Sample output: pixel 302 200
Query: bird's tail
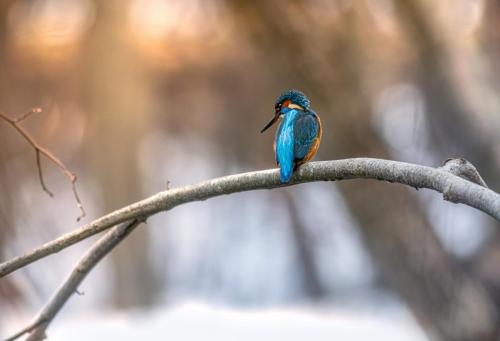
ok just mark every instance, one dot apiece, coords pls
pixel 286 172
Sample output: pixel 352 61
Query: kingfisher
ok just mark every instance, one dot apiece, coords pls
pixel 299 132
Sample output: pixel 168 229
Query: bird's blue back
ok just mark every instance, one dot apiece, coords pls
pixel 294 139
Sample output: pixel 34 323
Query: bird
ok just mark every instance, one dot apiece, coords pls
pixel 299 132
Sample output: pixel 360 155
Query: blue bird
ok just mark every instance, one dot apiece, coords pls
pixel 298 135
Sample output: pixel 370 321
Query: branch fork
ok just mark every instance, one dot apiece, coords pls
pixel 39 150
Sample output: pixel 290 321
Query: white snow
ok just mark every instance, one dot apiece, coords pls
pixel 191 321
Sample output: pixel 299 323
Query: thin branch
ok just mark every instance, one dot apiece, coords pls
pixel 453 188
pixel 69 287
pixel 14 122
pixel 27 114
pixel 40 174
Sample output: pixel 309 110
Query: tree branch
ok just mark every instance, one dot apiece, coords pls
pixel 101 248
pixel 453 188
pixel 14 122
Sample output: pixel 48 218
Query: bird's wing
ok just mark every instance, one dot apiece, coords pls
pixel 306 131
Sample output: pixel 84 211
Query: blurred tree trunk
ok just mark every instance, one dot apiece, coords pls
pixel 490 39
pixel 453 130
pixel 485 261
pixel 4 6
pixel 117 104
pixel 9 292
pixel 5 207
pixel 312 285
pixel 448 304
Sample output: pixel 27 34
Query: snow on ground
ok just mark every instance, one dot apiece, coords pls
pixel 192 321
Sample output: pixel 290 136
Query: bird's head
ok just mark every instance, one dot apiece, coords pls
pixel 293 99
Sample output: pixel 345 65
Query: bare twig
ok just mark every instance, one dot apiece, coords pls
pixel 40 174
pixel 14 122
pixel 27 114
pixel 453 188
pixel 102 247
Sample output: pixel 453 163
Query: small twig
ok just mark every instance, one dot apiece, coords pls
pixel 40 174
pixel 96 252
pixel 453 188
pixel 27 114
pixel 14 122
pixel 77 198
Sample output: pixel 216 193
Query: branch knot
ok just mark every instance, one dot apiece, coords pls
pixel 464 169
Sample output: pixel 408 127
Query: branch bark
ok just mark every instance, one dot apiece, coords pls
pixel 100 249
pixel 453 188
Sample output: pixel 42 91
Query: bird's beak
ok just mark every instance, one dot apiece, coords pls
pixel 275 118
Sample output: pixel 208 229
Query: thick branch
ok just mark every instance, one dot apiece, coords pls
pixel 453 188
pixel 102 247
pixel 39 150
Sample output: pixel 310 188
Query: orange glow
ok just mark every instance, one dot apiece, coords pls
pixel 48 30
pixel 171 33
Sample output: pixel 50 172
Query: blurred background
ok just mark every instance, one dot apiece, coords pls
pixel 140 93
